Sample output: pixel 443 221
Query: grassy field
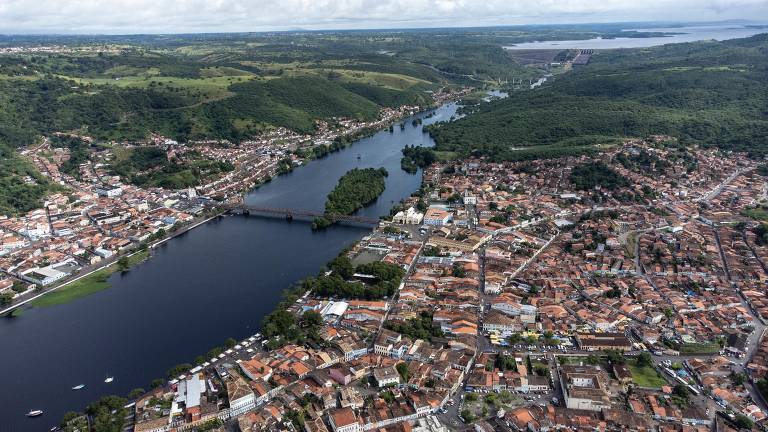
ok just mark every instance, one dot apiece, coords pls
pixel 88 285
pixel 645 376
pixel 209 84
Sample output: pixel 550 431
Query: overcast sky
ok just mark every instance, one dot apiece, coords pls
pixel 177 16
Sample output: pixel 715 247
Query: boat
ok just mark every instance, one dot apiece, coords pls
pixel 34 413
pixel 109 380
pixel 78 387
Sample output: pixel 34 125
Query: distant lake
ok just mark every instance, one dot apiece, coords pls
pixel 686 34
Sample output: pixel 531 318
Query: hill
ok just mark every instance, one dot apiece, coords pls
pixel 706 93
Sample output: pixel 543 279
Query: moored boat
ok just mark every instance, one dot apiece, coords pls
pixel 34 413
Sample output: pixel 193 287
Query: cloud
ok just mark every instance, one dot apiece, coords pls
pixel 174 16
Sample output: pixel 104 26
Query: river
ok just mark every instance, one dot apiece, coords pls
pixel 214 282
pixel 683 34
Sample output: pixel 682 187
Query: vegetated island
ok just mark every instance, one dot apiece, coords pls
pixel 356 189
pixel 416 157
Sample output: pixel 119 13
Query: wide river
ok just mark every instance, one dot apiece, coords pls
pixel 684 34
pixel 214 282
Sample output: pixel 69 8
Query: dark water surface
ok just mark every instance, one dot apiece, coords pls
pixel 214 282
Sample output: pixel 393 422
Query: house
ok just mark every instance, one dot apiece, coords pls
pixel 496 321
pixel 256 370
pixel 585 387
pixel 344 420
pixel 241 397
pixel 386 376
pixel 437 217
pixel 351 398
pixel 622 373
pixel 603 341
pixel 342 374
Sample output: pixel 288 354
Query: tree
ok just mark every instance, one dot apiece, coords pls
pixel 388 396
pixel 6 299
pixel 467 415
pixel 177 370
pixel 312 319
pixel 681 391
pixel 743 422
pixel 458 270
pixel 123 264
pixel 230 343
pixel 514 338
pixel 615 357
pixel 402 369
pixel 738 379
pixel 108 414
pixel 644 359
pixel 342 266
pixel 136 393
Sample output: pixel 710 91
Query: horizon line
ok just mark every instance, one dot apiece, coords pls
pixel 390 29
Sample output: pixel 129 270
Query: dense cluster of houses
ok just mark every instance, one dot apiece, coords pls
pixel 540 300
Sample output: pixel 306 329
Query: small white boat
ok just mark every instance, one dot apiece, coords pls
pixel 109 380
pixel 34 413
pixel 78 387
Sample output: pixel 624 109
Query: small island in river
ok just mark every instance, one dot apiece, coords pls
pixel 356 189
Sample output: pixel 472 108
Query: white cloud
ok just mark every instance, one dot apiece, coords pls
pixel 174 16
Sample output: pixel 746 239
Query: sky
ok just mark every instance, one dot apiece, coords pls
pixel 192 16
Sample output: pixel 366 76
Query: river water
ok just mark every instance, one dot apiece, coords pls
pixel 214 282
pixel 684 34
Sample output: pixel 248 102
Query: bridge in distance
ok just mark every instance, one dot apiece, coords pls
pixel 291 213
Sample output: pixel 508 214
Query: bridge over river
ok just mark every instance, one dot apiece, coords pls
pixel 299 213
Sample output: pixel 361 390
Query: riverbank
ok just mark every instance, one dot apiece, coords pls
pixel 88 284
pixel 216 281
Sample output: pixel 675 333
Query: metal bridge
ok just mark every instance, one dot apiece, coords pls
pixel 291 213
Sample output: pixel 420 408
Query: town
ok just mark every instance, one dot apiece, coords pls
pixel 620 291
pixel 100 217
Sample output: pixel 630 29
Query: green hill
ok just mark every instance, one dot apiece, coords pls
pixel 707 93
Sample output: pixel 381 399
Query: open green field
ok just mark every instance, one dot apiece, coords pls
pixel 645 376
pixel 210 88
pixel 88 285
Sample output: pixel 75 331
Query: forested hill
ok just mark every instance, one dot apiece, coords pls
pixel 709 93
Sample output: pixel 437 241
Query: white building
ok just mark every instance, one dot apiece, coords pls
pixel 386 376
pixel 408 217
pixel 43 275
pixel 469 198
pixel 437 217
pixel 334 309
pixel 109 191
